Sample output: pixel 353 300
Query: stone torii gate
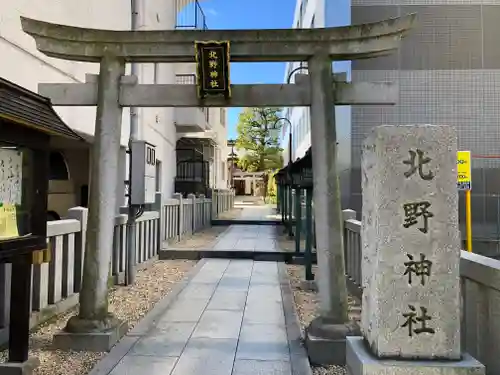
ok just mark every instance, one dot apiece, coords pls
pixel 112 90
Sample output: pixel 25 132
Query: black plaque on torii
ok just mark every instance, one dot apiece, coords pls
pixel 212 69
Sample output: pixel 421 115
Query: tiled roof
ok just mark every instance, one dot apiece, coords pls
pixel 29 109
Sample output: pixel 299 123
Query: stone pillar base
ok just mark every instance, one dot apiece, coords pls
pixel 360 361
pixel 326 342
pixel 95 341
pixel 19 368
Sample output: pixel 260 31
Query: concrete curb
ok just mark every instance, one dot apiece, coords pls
pixel 216 222
pixel 108 363
pixel 270 256
pixel 298 355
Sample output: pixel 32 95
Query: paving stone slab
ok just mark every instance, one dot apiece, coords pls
pixel 234 283
pixel 228 300
pixel 186 310
pixel 168 341
pixel 133 365
pixel 264 293
pixel 241 268
pixel 263 342
pixel 270 312
pixel 197 291
pixel 207 357
pixel 246 244
pixel 256 367
pixel 219 324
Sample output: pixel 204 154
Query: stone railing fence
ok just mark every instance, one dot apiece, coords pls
pixel 480 283
pixel 56 284
pixel 223 200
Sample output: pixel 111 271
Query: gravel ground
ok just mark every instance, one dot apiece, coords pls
pixel 307 305
pixel 129 303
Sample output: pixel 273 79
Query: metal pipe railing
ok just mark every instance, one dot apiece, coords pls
pixel 190 15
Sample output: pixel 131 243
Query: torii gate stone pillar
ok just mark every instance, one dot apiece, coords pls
pixel 94 328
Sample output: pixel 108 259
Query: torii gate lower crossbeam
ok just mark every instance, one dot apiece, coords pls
pixel 270 95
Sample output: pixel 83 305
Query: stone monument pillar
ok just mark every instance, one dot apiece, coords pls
pixel 411 253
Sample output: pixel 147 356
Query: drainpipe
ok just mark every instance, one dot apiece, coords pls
pixel 133 210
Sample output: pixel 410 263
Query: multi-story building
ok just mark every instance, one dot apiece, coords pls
pixel 312 14
pixel 447 70
pixel 22 64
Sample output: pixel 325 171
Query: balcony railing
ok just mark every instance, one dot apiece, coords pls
pixel 192 177
pixel 190 15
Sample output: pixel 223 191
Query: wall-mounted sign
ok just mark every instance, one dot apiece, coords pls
pixel 464 175
pixel 212 68
pixel 11 166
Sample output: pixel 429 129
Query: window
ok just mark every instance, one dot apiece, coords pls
pixel 57 167
pixel 185 79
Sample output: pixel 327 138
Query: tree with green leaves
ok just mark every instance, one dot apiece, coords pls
pixel 258 130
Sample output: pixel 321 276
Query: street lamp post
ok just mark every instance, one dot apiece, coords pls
pixel 290 197
pixel 232 143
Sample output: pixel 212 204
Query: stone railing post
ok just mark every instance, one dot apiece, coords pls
pixel 215 200
pixel 180 215
pixel 192 197
pixel 202 211
pixel 347 215
pixel 160 230
pixel 80 214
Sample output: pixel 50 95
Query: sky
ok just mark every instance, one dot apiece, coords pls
pixel 250 14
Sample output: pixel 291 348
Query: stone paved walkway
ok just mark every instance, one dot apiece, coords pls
pixel 248 238
pixel 258 212
pixel 233 317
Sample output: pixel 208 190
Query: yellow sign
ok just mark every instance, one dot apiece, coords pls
pixel 464 173
pixel 8 222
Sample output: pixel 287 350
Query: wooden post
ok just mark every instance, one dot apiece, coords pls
pixel 20 309
pixel 298 218
pixel 309 234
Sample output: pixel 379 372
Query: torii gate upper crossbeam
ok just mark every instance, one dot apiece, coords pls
pixel 341 43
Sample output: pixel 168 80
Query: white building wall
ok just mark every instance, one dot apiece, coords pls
pixel 217 119
pixel 156 125
pixel 308 14
pixel 22 64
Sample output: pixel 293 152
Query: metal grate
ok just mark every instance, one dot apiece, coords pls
pixel 185 79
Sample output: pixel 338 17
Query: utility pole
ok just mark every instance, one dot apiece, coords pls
pixel 133 210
